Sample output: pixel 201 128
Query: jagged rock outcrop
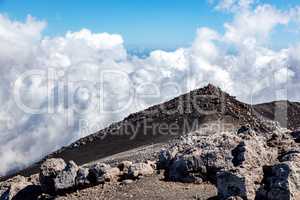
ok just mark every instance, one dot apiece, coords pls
pixel 222 151
pixel 243 179
pixel 234 161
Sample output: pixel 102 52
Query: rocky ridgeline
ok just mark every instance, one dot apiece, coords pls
pixel 209 101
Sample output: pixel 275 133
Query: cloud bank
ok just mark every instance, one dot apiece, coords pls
pixel 55 90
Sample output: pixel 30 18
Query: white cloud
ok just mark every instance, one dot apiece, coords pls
pixel 239 61
pixel 18 38
pixel 255 25
pixel 234 5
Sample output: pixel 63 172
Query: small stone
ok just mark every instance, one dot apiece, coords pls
pixel 127 181
pixel 234 198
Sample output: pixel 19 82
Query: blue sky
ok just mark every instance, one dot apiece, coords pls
pixel 143 24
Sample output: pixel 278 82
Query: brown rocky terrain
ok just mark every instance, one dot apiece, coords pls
pixel 285 112
pixel 188 112
pixel 211 147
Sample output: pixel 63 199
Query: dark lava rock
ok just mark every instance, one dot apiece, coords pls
pixel 56 175
pixel 81 179
pixel 49 170
pixel 96 173
pixel 65 180
pixel 282 180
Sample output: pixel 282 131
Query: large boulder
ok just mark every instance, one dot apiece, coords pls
pixel 164 158
pixel 232 160
pixel 140 169
pixel 49 171
pixel 112 174
pixel 240 183
pixel 178 169
pixel 10 188
pixel 124 166
pixel 81 179
pixel 182 167
pixel 249 157
pixel 253 153
pixel 282 181
pixel 202 159
pixel 96 173
pixel 56 175
pixel 66 178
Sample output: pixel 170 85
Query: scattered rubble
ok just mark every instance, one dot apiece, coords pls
pixel 57 177
pixel 243 165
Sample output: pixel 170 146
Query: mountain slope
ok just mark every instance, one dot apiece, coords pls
pixel 285 112
pixel 208 105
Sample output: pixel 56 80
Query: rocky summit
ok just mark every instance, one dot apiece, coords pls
pixel 212 147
